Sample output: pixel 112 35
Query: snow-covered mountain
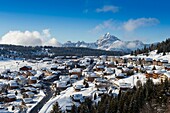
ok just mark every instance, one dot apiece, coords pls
pixel 80 44
pixel 108 42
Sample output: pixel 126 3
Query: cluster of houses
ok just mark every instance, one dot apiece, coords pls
pixel 108 74
pixel 79 75
pixel 19 89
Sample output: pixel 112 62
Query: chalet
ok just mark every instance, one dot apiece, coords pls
pixel 130 66
pixel 61 68
pixel 37 85
pixel 69 107
pixel 149 73
pixel 32 80
pixel 25 68
pixel 32 89
pixel 167 67
pixel 99 82
pixel 120 75
pixel 46 59
pixel 76 71
pixel 164 62
pixel 100 68
pixel 13 84
pixel 21 80
pixel 156 74
pixel 29 94
pixel 108 71
pixel 125 86
pixel 101 91
pixel 103 57
pixel 65 78
pixel 39 75
pixel 61 85
pixel 54 68
pixel 28 100
pixel 113 90
pixel 90 76
pixel 148 61
pixel 111 65
pixel 167 75
pixel 10 97
pixel 77 97
pixel 5 76
pixel 125 70
pixel 73 78
pixel 78 87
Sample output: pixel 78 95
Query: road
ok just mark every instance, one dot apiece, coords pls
pixel 49 94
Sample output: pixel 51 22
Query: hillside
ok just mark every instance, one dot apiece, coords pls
pixel 44 51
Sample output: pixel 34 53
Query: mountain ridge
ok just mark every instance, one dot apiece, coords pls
pixel 108 42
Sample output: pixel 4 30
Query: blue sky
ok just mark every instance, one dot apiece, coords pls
pixel 87 20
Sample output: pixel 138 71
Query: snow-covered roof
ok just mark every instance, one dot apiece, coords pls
pixel 38 74
pixel 125 69
pixel 75 70
pixel 11 96
pixel 13 83
pixel 61 84
pixel 29 93
pixel 100 66
pixel 64 78
pixel 157 71
pixel 74 76
pixel 121 75
pixel 32 78
pixel 78 86
pixel 149 71
pixel 91 75
pixel 61 67
pixel 148 59
pixel 167 74
pixel 30 88
pixel 28 100
pixel 77 96
pixel 164 61
pixel 125 85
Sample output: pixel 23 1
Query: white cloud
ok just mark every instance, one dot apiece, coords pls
pixel 128 25
pixel 108 8
pixel 133 24
pixel 53 42
pixel 29 38
pixel 106 25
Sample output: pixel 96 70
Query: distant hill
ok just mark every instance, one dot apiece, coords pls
pixel 44 51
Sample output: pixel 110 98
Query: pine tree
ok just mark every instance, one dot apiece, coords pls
pixel 154 68
pixel 95 96
pixel 56 108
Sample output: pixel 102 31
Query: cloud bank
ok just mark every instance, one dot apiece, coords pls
pixel 129 25
pixel 133 24
pixel 29 38
pixel 108 8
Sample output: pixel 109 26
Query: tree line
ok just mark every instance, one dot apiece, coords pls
pixel 161 47
pixel 149 98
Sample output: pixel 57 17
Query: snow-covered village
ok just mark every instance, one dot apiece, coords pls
pixel 30 86
pixel 84 56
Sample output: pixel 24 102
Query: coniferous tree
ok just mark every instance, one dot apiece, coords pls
pixel 56 108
